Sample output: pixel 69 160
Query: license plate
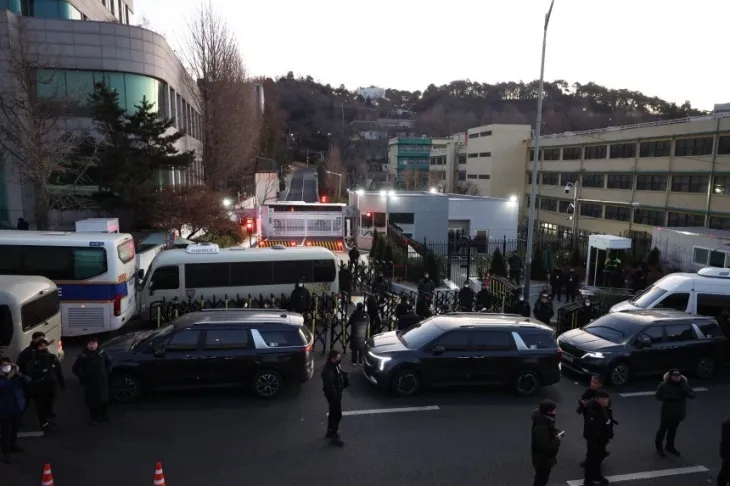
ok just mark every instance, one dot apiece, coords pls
pixel 567 358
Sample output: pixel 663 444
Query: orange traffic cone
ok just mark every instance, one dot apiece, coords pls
pixel 47 476
pixel 159 477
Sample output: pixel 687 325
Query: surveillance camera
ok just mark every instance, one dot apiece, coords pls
pixel 567 189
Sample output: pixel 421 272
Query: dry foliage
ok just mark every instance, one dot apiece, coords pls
pixel 413 180
pixel 189 210
pixel 336 165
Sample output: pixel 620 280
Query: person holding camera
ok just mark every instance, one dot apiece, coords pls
pixel 545 441
pixel 12 405
pixel 334 381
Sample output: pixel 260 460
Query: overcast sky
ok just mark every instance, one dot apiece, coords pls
pixel 674 49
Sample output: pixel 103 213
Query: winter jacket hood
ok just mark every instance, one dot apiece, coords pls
pixel 667 377
pixel 674 395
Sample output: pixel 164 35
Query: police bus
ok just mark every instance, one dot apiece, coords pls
pixel 94 273
pixel 204 271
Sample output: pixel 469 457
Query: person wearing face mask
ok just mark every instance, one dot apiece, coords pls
pixel 12 404
pixel 586 313
pixel 673 392
pixel 570 280
pixel 426 287
pixel 466 298
pixel 598 431
pixel 45 373
pixel 595 385
pixel 485 298
pixel 545 441
pixel 334 381
pixel 25 357
pixel 300 298
pixel 92 368
pixel 544 309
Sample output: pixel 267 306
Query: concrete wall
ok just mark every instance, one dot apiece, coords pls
pixel 431 211
pixel 677 248
pixel 496 216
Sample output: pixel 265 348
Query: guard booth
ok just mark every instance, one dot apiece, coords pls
pixel 299 223
pixel 605 243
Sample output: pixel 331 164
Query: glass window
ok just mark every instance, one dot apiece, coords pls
pixel 685 220
pixel 550 178
pixel 620 181
pixel 293 271
pixel 226 339
pixel 454 341
pixel 184 341
pixel 712 304
pixel 54 262
pixel 173 105
pixel 660 148
pixel 140 87
pixel 710 329
pixel 15 7
pixel 572 153
pixel 723 146
pixel 538 340
pixel 596 152
pixel 674 301
pixel 548 204
pixel 717 259
pixel 68 11
pixel 252 274
pixel 690 183
pixel 655 333
pixel 420 335
pixel 593 180
pixel 647 298
pixel 614 328
pixel 591 210
pixel 39 311
pixel 617 213
pixel 79 85
pixel 45 9
pixel 126 251
pixel 491 340
pixel 693 146
pixel 206 275
pixel 323 271
pixel 680 332
pixel 650 217
pixel 700 255
pixel 165 278
pixel 718 222
pixel 551 154
pixel 275 339
pixel 6 326
pixel 89 262
pixel 402 218
pixel 115 82
pixel 623 151
pixel 651 182
pixel 51 84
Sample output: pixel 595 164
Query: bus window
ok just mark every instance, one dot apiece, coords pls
pixel 53 262
pixel 290 272
pixel 207 275
pixel 125 251
pixel 252 274
pixel 39 311
pixel 6 326
pixel 89 262
pixel 324 270
pixel 165 278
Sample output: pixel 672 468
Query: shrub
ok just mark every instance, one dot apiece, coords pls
pixel 538 265
pixel 497 265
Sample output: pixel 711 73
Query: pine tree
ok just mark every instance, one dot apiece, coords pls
pixel 497 265
pixel 388 252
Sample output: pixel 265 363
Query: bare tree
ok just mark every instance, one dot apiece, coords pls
pixel 467 189
pixel 225 98
pixel 35 139
pixel 413 180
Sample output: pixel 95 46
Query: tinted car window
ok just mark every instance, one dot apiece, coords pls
pixel 250 274
pixel 165 278
pixel 655 333
pixel 420 335
pixel 614 328
pixel 226 339
pixel 207 275
pixel 537 340
pixel 276 339
pixel 454 341
pixel 712 305
pixel 184 341
pixel 648 297
pixel 491 340
pixel 680 332
pixel 674 301
pixel 710 329
pixel 38 311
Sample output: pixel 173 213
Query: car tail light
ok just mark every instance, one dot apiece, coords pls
pixel 117 305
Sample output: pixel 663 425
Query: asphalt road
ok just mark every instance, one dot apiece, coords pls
pixel 468 437
pixel 303 186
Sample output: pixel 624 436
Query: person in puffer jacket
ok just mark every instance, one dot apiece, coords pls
pixel 673 392
pixel 358 324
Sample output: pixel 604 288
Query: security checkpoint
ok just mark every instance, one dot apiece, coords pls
pixel 303 224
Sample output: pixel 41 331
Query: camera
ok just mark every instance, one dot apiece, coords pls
pixel 567 189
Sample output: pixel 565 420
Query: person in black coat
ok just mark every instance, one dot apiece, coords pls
pixel 24 357
pixel 571 282
pixel 45 373
pixel 300 298
pixel 358 324
pixel 520 307
pixel 334 381
pixel 345 278
pixel 408 320
pixel 466 298
pixel 372 305
pixel 597 431
pixel 544 309
pixel 403 307
pixel 586 313
pixel 92 368
pixel 556 282
pixel 588 395
pixel 485 299
pixel 545 442
pixel 423 306
pixel 673 392
pixel 723 477
pixel 426 287
pixel 354 255
pixel 379 285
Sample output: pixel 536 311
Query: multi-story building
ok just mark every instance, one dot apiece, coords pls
pixel 676 172
pixel 445 163
pixel 408 161
pixel 85 42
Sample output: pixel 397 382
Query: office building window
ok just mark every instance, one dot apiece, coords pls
pixel 485 134
pixel 651 182
pixel 548 204
pixel 462 159
pixel 721 185
pixel 650 217
pixel 618 213
pixel 551 154
pixel 462 175
pixel 569 177
pixel 564 206
pixel 484 176
pixel 693 146
pixel 620 181
pixel 485 154
pixel 623 151
pixel 686 183
pixel 595 152
pixel 402 218
pixel 471 176
pixel 549 229
pixel 473 135
pixel 173 105
pixel 433 161
pixel 591 210
pixel 531 155
pixel 473 155
pixel 593 180
pixel 719 222
pixel 550 179
pixel 685 220
pixel 572 153
pixel 658 148
pixel 723 146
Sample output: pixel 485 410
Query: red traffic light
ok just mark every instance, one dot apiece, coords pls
pixel 323 199
pixel 367 214
pixel 249 225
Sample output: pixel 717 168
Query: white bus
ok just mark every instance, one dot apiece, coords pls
pixel 205 271
pixel 94 273
pixel 28 305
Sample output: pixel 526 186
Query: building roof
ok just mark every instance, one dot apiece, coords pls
pixel 697 231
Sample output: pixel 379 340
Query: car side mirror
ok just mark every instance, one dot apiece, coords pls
pixel 140 274
pixel 438 350
pixel 159 351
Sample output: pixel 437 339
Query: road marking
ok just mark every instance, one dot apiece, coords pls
pixel 648 475
pixel 38 433
pixel 651 393
pixel 378 411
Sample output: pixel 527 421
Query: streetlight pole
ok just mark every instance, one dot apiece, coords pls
pixel 536 157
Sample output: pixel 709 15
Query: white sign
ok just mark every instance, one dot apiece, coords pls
pixel 202 248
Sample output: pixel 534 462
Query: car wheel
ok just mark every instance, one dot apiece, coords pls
pixel 620 374
pixel 705 368
pixel 267 384
pixel 527 383
pixel 125 388
pixel 406 382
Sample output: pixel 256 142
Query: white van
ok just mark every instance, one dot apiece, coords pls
pixel 204 271
pixel 706 293
pixel 28 304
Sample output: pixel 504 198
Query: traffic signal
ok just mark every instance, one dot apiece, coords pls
pixel 249 225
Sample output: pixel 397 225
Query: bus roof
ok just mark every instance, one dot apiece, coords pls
pixel 238 254
pixel 24 287
pixel 36 237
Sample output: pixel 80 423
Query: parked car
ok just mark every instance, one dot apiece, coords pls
pixel 259 348
pixel 464 349
pixel 624 345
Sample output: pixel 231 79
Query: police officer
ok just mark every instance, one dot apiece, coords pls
pixel 485 298
pixel 345 278
pixel 334 381
pixel 373 308
pixel 673 392
pixel 358 324
pixel 610 268
pixel 545 441
pixel 590 393
pixel 571 285
pixel 520 307
pixel 423 306
pixel 544 309
pixel 586 313
pixel 300 297
pixel 556 282
pixel 45 373
pixel 379 286
pixel 638 280
pixel 24 358
pixel 426 286
pixel 597 431
pixel 466 298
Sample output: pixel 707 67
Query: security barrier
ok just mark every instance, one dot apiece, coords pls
pixel 270 243
pixel 332 245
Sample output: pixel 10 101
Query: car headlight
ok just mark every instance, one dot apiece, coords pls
pixel 595 355
pixel 380 360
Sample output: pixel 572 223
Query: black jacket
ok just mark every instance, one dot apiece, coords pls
pixel 408 320
pixel 354 255
pixel 345 278
pixel 586 314
pixel 556 278
pixel 466 298
pixel 545 441
pixel 93 370
pixel 333 381
pixel 402 309
pixel 426 286
pixel 598 425
pixel 358 324
pixel 299 299
pixel 570 281
pixel 587 396
pixel 515 263
pixel 485 299
pixel 673 396
pixel 45 372
pixel 373 308
pixel 543 311
pixel 24 358
pixel 379 285
pixel 725 439
pixel 423 308
pixel 520 307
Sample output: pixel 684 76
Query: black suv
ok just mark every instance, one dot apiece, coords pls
pixel 464 349
pixel 624 345
pixel 260 348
